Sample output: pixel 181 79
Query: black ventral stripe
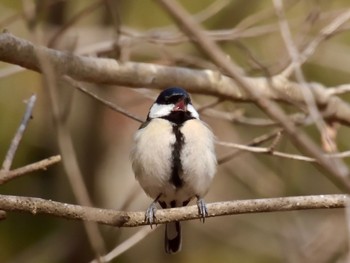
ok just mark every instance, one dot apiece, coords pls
pixel 177 118
pixel 176 170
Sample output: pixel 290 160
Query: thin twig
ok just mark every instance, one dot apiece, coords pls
pixel 275 141
pixel 19 134
pixel 107 103
pixel 164 37
pixel 267 151
pixel 8 71
pixel 324 34
pixel 127 244
pixel 72 21
pixel 339 90
pixel 209 105
pixel 237 117
pixel 41 165
pixel 36 206
pixel 256 141
pixel 271 151
pixel 201 16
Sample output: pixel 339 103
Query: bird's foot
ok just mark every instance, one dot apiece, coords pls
pixel 150 215
pixel 202 209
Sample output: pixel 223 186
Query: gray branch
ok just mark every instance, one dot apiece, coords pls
pixel 38 206
pixel 21 52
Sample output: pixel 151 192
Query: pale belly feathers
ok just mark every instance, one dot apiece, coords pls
pixel 152 160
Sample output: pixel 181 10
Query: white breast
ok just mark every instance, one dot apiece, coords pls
pixel 152 156
pixel 198 157
pixel 152 160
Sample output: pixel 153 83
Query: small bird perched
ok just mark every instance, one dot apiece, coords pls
pixel 173 158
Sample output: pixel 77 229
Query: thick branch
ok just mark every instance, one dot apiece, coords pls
pixel 132 219
pixel 107 71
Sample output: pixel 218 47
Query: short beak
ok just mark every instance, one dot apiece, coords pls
pixel 180 105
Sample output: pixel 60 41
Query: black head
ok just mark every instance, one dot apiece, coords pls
pixel 173 95
pixel 173 104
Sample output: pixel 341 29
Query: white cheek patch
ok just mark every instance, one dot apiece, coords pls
pixel 162 110
pixel 193 111
pixel 158 110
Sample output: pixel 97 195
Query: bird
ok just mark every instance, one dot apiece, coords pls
pixel 173 159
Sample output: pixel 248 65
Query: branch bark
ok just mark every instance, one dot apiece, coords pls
pixel 21 52
pixel 6 176
pixel 37 206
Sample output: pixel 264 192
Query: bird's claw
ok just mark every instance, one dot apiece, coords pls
pixel 202 209
pixel 150 214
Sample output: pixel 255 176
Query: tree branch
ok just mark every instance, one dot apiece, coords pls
pixel 337 170
pixel 107 71
pixel 37 206
pixel 19 134
pixel 6 176
pixel 271 151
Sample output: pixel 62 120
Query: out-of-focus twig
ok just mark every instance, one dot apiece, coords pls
pixel 339 90
pixel 90 8
pixel 10 71
pixel 209 105
pixel 324 34
pixel 129 243
pixel 41 165
pixel 295 58
pixel 238 117
pixel 6 165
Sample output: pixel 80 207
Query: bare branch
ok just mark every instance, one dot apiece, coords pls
pixel 339 90
pixel 237 117
pixel 38 206
pixel 18 136
pixel 256 141
pixel 294 55
pixel 325 33
pixel 337 171
pixel 41 165
pixel 107 71
pixel 271 151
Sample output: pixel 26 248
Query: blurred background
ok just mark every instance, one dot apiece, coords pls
pixel 141 31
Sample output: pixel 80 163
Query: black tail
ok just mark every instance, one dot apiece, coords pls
pixel 172 237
